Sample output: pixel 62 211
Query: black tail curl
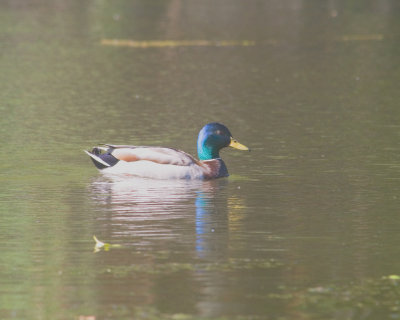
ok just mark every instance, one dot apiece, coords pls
pixel 106 157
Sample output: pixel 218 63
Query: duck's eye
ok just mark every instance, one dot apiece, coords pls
pixel 218 132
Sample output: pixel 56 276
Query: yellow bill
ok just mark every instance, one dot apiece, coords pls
pixel 235 144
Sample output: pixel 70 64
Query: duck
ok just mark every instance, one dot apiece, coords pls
pixel 169 163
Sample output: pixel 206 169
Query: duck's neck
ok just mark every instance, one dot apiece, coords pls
pixel 206 152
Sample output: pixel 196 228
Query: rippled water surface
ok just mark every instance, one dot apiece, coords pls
pixel 306 226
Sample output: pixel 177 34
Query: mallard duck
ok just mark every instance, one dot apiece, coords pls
pixel 169 163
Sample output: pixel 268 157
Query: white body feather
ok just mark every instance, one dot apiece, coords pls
pixel 150 169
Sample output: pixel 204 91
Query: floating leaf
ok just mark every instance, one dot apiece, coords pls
pixel 361 37
pixel 175 43
pixel 100 245
pixel 392 277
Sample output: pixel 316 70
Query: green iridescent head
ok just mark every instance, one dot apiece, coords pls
pixel 212 138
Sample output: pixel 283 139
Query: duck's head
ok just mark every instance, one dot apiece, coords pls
pixel 212 138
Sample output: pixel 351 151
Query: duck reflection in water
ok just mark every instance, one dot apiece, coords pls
pixel 164 209
pixel 211 224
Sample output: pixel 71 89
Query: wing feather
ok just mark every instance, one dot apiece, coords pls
pixel 118 146
pixel 156 154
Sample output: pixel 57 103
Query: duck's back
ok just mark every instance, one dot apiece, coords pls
pixel 159 155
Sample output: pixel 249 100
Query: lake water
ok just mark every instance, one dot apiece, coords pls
pixel 306 227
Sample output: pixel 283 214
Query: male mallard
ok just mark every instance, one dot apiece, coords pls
pixel 167 163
